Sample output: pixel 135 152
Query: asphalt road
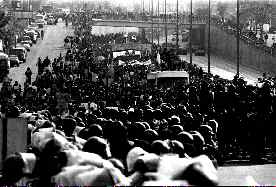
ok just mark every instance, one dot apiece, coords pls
pixel 51 46
pixel 224 68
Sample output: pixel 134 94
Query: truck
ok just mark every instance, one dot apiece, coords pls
pixel 4 65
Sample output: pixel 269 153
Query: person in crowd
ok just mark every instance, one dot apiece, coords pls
pixel 28 75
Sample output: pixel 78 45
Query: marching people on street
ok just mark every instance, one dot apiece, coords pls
pixel 95 119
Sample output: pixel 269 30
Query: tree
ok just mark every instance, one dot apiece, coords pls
pixel 3 19
pixel 137 8
pixel 202 12
pixel 106 5
pixel 221 9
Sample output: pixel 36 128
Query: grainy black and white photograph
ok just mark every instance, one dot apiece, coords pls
pixel 137 93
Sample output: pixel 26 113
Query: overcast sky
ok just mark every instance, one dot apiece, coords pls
pixel 170 3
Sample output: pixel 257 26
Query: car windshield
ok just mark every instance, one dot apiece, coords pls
pixel 16 51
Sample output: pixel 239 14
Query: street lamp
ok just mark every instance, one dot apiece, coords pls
pixel 158 13
pixel 238 38
pixel 152 22
pixel 191 27
pixel 177 27
pixel 209 37
pixel 166 28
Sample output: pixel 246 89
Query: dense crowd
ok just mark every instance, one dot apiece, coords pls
pixel 92 121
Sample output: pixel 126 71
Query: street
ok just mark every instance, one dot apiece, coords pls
pixel 224 68
pixel 51 46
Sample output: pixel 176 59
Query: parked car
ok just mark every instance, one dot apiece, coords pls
pixel 27 39
pixel 50 20
pixel 40 23
pixel 32 35
pixel 21 52
pixel 14 61
pixel 33 26
pixel 200 52
pixel 25 44
pixel 4 65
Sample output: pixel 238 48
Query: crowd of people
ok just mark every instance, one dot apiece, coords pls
pixel 92 121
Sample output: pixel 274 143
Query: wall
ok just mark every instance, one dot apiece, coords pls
pixel 224 45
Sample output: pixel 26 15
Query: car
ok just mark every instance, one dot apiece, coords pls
pixel 200 52
pixel 25 44
pixel 40 23
pixel 182 51
pixel 14 61
pixel 20 52
pixel 33 26
pixel 50 21
pixel 32 35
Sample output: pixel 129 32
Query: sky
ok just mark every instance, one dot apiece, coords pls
pixel 130 3
pixel 171 4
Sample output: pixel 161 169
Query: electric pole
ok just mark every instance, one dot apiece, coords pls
pixel 209 37
pixel 238 38
pixel 191 27
pixel 177 27
pixel 166 28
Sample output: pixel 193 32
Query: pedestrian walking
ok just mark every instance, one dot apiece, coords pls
pixel 42 34
pixel 28 74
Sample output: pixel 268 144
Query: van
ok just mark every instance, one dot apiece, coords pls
pixel 21 52
pixel 4 65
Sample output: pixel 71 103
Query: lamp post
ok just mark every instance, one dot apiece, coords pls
pixel 166 28
pixel 158 26
pixel 152 22
pixel 158 14
pixel 238 38
pixel 191 27
pixel 177 27
pixel 209 37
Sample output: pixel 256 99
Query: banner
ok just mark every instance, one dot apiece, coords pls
pixel 131 46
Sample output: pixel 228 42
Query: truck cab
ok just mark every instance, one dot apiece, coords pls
pixel 4 65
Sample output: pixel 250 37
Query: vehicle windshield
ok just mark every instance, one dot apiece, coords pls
pixel 16 51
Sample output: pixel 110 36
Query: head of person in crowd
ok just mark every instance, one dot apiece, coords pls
pixel 69 125
pixel 98 146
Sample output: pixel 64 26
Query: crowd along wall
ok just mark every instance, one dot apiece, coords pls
pixel 224 45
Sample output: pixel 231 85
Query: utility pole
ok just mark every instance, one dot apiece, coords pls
pixel 177 27
pixel 191 27
pixel 158 15
pixel 152 22
pixel 209 37
pixel 238 38
pixel 166 28
pixel 143 10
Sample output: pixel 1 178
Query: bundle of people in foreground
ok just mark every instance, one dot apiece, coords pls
pixel 88 130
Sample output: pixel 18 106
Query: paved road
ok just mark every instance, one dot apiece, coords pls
pixel 224 68
pixel 264 175
pixel 51 46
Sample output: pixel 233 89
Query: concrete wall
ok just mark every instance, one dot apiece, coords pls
pixel 224 45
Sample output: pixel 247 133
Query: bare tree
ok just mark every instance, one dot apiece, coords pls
pixel 222 9
pixel 137 8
